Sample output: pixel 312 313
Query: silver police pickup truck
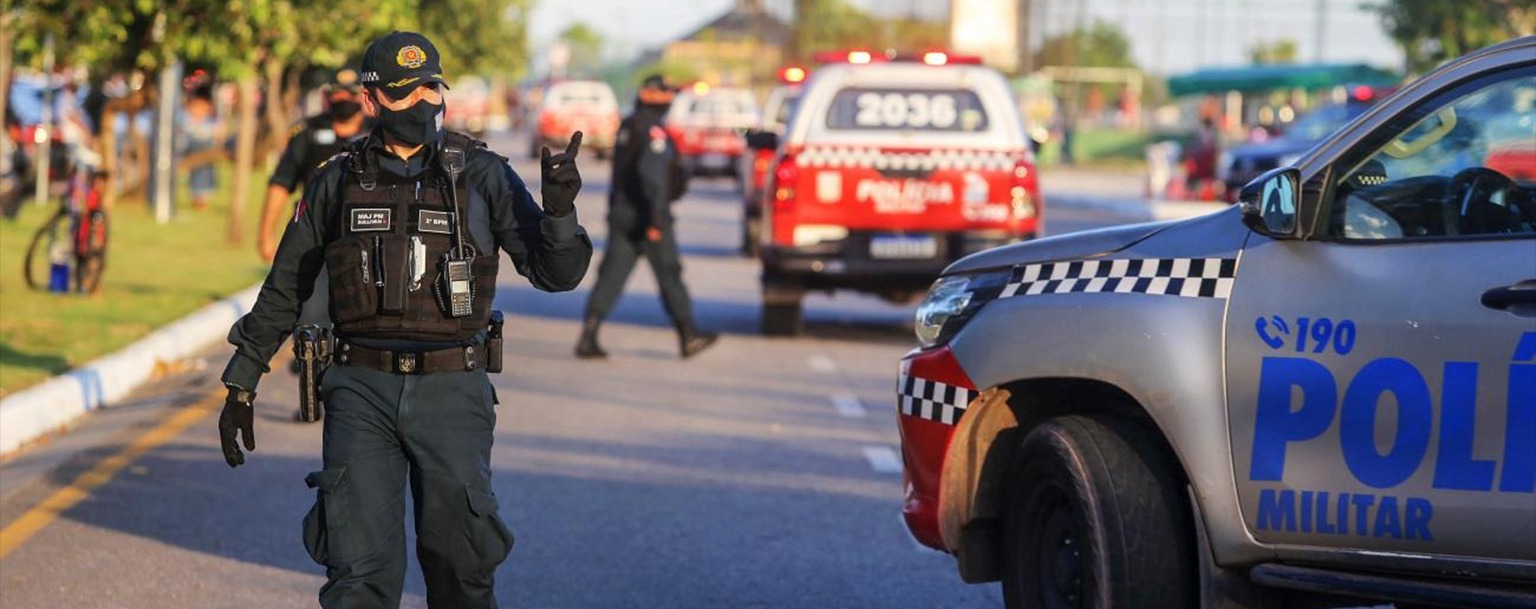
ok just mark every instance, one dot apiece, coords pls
pixel 1323 394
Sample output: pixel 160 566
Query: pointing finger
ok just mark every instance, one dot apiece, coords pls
pixel 544 156
pixel 574 146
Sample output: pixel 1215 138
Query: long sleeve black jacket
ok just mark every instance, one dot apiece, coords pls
pixel 552 252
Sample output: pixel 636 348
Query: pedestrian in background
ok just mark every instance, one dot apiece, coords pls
pixel 201 134
pixel 310 143
pixel 647 178
pixel 408 221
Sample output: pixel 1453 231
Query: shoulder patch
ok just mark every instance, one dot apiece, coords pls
pixel 658 139
pixel 334 157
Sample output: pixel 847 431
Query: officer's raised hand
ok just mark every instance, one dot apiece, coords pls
pixel 561 179
pixel 239 416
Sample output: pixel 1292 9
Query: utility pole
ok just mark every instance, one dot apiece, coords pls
pixel 45 146
pixel 1026 54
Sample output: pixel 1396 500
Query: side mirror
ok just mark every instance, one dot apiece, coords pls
pixel 763 140
pixel 1270 203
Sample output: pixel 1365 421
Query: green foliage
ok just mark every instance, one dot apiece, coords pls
pixel 1101 46
pixel 1433 31
pixel 1279 51
pixel 586 46
pixel 486 37
pixel 825 25
pixel 475 36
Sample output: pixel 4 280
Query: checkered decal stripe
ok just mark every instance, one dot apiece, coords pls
pixel 1186 277
pixel 960 160
pixel 932 400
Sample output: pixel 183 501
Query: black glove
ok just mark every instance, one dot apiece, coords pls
pixel 561 180
pixel 239 416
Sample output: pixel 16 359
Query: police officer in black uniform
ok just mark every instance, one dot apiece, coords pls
pixel 408 222
pixel 646 179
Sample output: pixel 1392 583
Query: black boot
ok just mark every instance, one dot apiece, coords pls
pixel 587 347
pixel 691 341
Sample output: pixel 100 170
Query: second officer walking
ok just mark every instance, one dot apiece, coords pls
pixel 646 180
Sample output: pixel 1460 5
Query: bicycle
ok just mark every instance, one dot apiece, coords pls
pixel 68 252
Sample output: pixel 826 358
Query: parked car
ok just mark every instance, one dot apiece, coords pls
pixel 588 106
pixel 1327 390
pixel 707 124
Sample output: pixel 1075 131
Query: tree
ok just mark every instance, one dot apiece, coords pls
pixel 586 46
pixel 1279 51
pixel 485 37
pixel 1102 46
pixel 824 25
pixel 1433 31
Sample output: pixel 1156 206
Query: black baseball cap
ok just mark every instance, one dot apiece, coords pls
pixel 399 62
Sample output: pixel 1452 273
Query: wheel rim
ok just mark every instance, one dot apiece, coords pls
pixel 1054 561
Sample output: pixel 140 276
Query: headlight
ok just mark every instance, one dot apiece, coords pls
pixel 952 301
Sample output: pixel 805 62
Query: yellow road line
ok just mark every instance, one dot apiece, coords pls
pixel 43 514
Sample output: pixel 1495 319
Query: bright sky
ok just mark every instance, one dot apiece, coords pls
pixel 1168 36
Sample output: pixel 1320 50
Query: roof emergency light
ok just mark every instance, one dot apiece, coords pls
pixel 935 58
pixel 701 88
pixel 792 75
pixel 859 57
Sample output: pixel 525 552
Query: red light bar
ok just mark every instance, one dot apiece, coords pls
pixel 1363 93
pixel 792 74
pixel 855 56
pixel 935 58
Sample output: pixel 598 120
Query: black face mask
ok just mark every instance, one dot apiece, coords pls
pixel 418 124
pixel 344 110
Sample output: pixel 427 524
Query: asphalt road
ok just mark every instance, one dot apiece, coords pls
pixel 763 473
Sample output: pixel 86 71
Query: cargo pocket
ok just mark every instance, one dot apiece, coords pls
pixel 319 530
pixel 351 271
pixel 489 538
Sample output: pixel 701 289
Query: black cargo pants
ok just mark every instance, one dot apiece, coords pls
pixel 619 257
pixel 380 430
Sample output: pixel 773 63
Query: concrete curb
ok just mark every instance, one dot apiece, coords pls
pixel 31 413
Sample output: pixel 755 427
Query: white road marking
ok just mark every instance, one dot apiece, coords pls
pixel 822 363
pixel 882 459
pixel 849 406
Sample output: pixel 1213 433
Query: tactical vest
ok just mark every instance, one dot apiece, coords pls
pixel 385 264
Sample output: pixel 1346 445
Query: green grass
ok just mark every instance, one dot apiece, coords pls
pixel 155 274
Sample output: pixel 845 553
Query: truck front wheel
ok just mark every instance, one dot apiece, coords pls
pixel 1096 519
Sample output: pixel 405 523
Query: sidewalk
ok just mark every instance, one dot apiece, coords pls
pixel 37 411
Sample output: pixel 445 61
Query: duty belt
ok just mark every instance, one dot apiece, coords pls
pixel 453 359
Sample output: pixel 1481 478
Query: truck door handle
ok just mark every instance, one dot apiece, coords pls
pixel 1519 298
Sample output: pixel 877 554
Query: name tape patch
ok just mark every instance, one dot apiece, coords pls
pixel 367 220
pixel 440 222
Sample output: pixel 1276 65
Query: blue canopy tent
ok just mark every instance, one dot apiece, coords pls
pixel 1278 77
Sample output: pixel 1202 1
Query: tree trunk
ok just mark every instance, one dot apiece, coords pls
pixel 109 161
pixel 245 155
pixel 277 110
pixel 7 40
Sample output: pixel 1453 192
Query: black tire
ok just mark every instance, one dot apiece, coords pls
pixel 36 263
pixel 783 319
pixel 1096 519
pixel 92 262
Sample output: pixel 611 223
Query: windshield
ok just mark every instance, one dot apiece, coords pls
pixel 953 110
